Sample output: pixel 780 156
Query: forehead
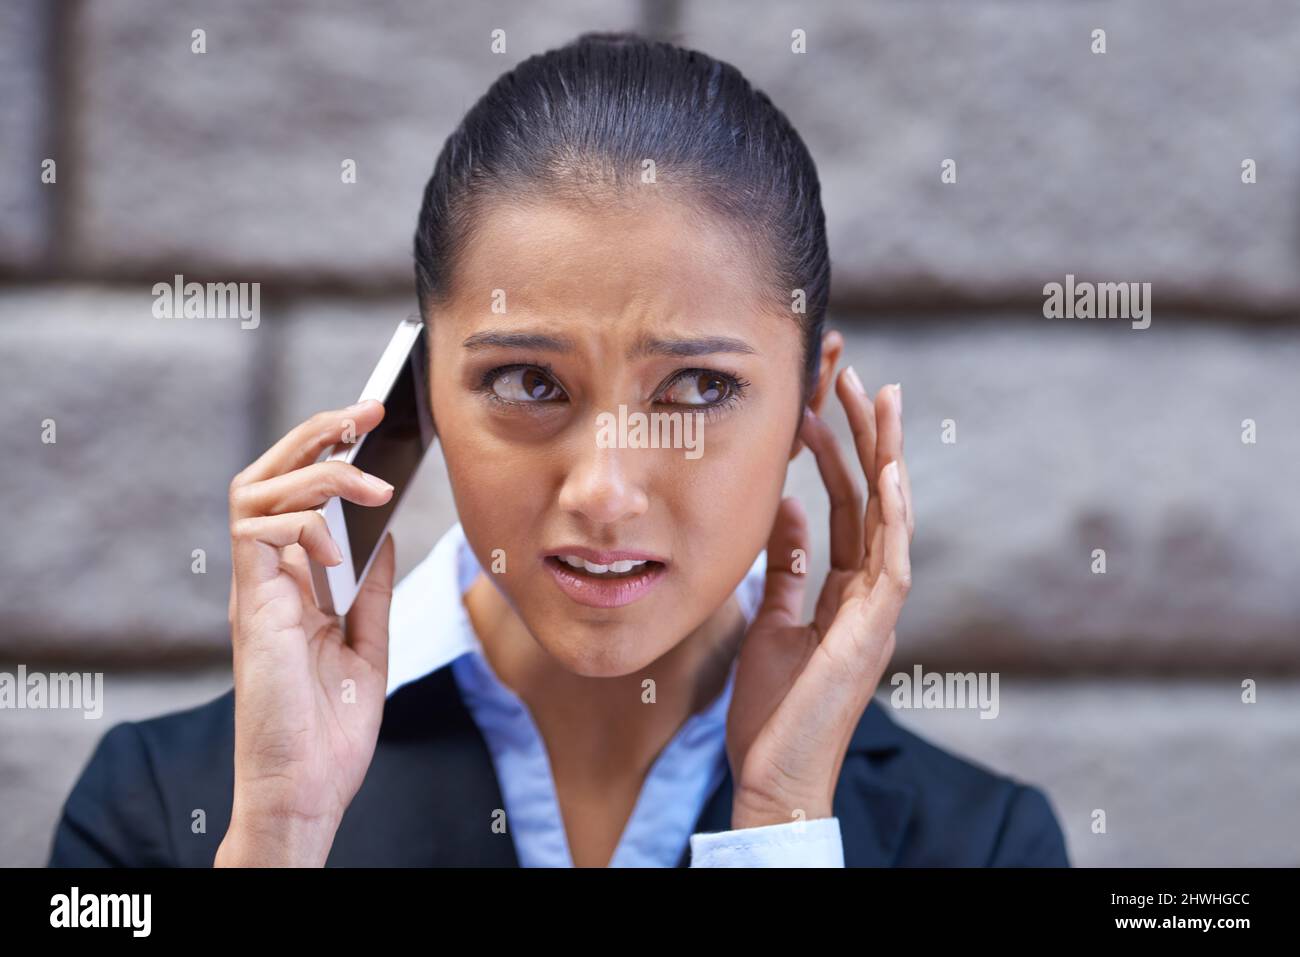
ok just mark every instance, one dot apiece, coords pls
pixel 647 256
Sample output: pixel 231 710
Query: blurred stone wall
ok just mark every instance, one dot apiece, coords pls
pixel 1121 691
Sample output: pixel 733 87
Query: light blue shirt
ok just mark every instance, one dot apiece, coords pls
pixel 429 628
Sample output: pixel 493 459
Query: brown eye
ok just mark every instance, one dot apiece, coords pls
pixel 698 387
pixel 525 384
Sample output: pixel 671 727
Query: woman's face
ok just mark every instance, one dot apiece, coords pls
pixel 561 316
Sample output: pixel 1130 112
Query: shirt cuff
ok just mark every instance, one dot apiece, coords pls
pixel 814 843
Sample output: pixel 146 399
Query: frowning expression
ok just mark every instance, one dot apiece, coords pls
pixel 613 552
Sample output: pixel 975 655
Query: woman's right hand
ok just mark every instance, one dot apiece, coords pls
pixel 309 694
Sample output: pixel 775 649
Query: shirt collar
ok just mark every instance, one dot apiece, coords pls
pixel 429 627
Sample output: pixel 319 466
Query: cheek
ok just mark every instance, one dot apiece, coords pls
pixel 495 488
pixel 740 466
pixel 722 505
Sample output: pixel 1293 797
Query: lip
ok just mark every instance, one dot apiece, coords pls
pixel 600 557
pixel 605 593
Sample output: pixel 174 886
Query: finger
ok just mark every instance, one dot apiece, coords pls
pixel 303 444
pixel 846 497
pixel 889 448
pixel 367 619
pixel 889 425
pixel 787 566
pixel 895 579
pixel 907 498
pixel 876 551
pixel 293 558
pixel 256 544
pixel 307 488
pixel 858 645
pixel 861 414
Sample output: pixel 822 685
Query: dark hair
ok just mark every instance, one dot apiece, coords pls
pixel 578 121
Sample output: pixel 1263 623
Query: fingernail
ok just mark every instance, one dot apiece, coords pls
pixel 377 482
pixel 892 469
pixel 898 391
pixel 334 551
pixel 852 375
pixel 358 406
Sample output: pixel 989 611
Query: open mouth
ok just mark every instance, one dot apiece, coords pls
pixel 622 569
pixel 604 585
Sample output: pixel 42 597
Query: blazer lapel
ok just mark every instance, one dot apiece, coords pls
pixel 873 811
pixel 432 790
pixel 431 795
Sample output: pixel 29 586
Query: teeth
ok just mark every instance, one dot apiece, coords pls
pixel 617 568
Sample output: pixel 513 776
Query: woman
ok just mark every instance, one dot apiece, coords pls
pixel 604 662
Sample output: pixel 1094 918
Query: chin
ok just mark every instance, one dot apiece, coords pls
pixel 600 650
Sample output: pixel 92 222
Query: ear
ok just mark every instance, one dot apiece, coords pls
pixel 832 350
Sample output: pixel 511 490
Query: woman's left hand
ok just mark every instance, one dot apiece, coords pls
pixel 802 688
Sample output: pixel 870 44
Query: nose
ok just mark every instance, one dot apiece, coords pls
pixel 602 488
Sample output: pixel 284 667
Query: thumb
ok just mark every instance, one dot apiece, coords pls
pixel 367 619
pixel 787 565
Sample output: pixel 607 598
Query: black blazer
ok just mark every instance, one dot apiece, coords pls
pixel 430 793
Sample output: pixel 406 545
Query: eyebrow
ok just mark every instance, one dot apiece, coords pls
pixel 645 346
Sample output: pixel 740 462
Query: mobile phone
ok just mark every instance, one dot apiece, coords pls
pixel 392 450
